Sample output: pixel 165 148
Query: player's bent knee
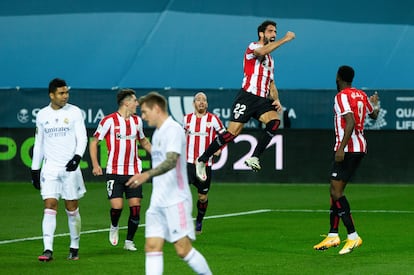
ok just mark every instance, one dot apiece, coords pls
pixel 272 126
pixel 154 244
pixel 202 198
pixel 183 247
pixel 225 138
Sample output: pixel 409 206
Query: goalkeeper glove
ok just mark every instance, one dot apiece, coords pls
pixel 73 163
pixel 36 179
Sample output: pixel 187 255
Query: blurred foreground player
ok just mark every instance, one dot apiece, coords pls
pixel 168 217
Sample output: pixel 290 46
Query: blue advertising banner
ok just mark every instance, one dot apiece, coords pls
pixel 303 109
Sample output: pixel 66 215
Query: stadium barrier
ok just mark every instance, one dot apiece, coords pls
pixel 293 156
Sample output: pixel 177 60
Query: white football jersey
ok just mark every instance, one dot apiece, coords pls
pixel 60 134
pixel 171 187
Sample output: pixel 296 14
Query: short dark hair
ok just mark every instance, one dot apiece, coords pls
pixel 154 98
pixel 262 27
pixel 346 73
pixel 56 83
pixel 122 94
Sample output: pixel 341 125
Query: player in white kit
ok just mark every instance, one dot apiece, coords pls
pixel 60 142
pixel 168 217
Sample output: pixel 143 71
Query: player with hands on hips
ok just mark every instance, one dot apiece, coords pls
pixel 60 141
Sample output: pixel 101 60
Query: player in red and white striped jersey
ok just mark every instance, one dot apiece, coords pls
pixel 350 108
pixel 356 101
pixel 121 134
pixel 258 72
pixel 201 129
pixel 121 131
pixel 258 97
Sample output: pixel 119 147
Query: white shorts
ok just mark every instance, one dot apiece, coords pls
pixel 171 223
pixel 58 183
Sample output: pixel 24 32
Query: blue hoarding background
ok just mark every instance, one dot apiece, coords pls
pixel 190 44
pixel 305 109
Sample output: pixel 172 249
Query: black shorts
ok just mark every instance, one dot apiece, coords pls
pixel 345 169
pixel 202 187
pixel 115 185
pixel 247 105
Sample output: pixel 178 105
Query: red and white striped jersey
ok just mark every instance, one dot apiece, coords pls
pixel 351 100
pixel 258 71
pixel 121 136
pixel 200 132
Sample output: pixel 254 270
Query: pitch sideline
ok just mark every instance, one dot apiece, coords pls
pixel 221 216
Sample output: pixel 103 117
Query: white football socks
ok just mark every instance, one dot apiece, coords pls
pixel 48 227
pixel 74 222
pixel 154 263
pixel 197 262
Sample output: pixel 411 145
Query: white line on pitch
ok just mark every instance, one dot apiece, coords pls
pixel 222 216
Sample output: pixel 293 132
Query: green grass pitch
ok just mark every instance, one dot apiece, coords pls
pixel 249 229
